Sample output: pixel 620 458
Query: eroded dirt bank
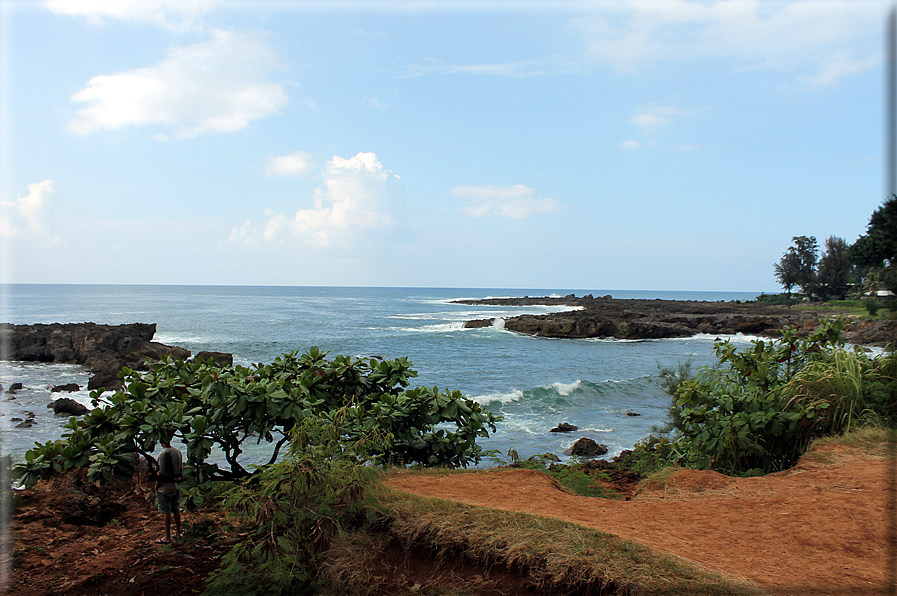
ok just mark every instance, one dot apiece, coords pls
pixel 819 528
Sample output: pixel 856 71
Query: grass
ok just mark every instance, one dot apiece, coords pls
pixel 551 556
pixel 871 440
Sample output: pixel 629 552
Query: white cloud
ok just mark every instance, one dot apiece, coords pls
pixel 630 144
pixel 804 35
pixel 218 85
pixel 650 121
pixel 27 214
pixel 515 202
pixel 294 164
pixel 554 64
pixel 374 103
pixel 359 199
pixel 172 14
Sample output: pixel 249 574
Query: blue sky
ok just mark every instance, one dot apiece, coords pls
pixel 617 144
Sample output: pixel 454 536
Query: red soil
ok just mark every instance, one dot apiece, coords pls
pixel 815 529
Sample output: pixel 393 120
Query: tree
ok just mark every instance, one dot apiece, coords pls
pixel 874 254
pixel 205 406
pixel 835 271
pixel 786 271
pixel 877 248
pixel 798 265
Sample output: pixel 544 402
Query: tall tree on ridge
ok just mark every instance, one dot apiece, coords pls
pixel 835 270
pixel 798 265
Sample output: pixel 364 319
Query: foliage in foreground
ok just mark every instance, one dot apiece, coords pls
pixel 758 410
pixel 207 406
pixel 295 509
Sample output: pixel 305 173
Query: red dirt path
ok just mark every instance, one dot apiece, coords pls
pixel 815 529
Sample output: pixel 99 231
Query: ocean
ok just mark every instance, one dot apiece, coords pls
pixel 608 388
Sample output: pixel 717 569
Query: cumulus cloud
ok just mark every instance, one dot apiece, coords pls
pixel 295 164
pixel 218 85
pixel 807 35
pixel 27 214
pixel 358 199
pixel 171 14
pixel 514 202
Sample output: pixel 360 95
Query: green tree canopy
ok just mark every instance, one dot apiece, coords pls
pixel 213 410
pixel 877 248
pixel 798 265
pixel 835 270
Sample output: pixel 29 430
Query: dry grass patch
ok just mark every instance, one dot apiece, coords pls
pixel 497 551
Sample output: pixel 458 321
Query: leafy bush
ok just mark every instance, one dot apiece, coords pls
pixel 759 408
pixel 207 406
pixel 293 510
pixel 872 306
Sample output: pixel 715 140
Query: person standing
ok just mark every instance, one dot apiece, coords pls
pixel 168 495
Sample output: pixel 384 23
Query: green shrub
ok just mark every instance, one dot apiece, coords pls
pixel 292 511
pixel 758 410
pixel 204 405
pixel 872 305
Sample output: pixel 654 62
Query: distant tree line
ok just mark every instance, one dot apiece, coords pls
pixel 863 268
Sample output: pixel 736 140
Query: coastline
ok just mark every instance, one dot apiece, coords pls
pixel 605 317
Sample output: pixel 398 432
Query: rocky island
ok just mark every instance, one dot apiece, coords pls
pixel 605 317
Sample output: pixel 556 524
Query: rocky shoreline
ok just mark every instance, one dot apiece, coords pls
pixel 607 317
pixel 105 349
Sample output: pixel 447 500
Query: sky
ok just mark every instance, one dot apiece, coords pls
pixel 605 144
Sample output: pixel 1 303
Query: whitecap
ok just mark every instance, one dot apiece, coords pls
pixel 505 398
pixel 566 388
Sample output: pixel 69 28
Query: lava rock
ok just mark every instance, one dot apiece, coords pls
pixel 586 447
pixel 64 405
pixel 69 387
pixel 564 427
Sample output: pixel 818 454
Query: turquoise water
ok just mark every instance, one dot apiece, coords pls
pixel 534 383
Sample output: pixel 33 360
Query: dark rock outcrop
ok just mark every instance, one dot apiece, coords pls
pixel 564 427
pixel 586 447
pixel 69 387
pixel 65 405
pixel 220 358
pixel 478 323
pixel 656 319
pixel 105 349
pixel 14 387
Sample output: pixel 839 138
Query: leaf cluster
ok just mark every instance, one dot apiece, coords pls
pixel 759 408
pixel 214 410
pixel 292 511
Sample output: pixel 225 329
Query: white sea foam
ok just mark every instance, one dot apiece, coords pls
pixel 175 339
pixel 504 398
pixel 566 388
pixel 438 328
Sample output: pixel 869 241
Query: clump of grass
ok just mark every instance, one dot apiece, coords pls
pixel 870 439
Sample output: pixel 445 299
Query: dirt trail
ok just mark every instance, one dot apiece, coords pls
pixel 819 528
